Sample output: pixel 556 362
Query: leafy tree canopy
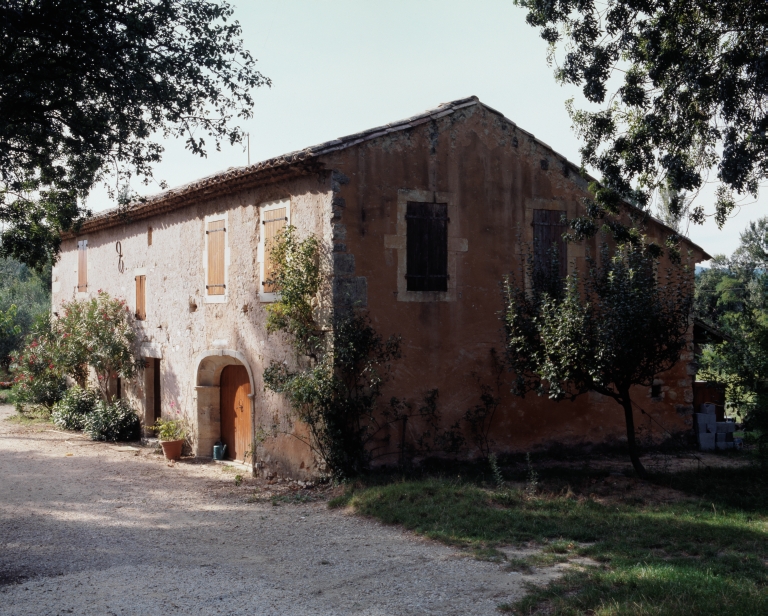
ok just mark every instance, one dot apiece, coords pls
pixel 693 94
pixel 621 324
pixel 86 86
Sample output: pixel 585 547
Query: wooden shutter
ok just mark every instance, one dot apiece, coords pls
pixel 274 222
pixel 427 246
pixel 216 232
pixel 141 298
pixel 82 266
pixel 547 239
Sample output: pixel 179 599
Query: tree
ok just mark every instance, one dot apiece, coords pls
pixel 621 325
pixel 30 293
pixel 96 332
pixel 693 96
pixel 733 296
pixel 86 87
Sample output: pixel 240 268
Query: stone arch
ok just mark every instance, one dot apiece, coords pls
pixel 208 394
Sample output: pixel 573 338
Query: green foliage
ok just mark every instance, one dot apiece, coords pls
pixel 733 296
pixel 24 294
pixel 622 325
pixel 337 384
pixel 170 429
pixel 38 375
pixel 112 421
pixel 91 100
pixel 71 411
pixel 97 332
pixel 684 557
pixel 297 276
pixel 693 94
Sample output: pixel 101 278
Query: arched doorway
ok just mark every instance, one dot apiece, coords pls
pixel 224 391
pixel 235 405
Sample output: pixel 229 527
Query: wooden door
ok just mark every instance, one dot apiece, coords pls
pixel 235 411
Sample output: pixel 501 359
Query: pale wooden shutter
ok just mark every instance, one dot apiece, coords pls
pixel 273 223
pixel 82 266
pixel 216 243
pixel 141 298
pixel 427 246
pixel 548 233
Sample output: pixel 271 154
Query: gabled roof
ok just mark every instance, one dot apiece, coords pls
pixel 293 164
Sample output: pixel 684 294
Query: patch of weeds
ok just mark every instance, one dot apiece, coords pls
pixel 31 415
pixel 498 478
pixel 343 500
pixel 532 478
pixel 521 565
pixel 238 480
pixel 488 554
pixel 506 608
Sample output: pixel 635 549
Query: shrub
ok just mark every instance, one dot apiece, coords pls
pixel 72 410
pixel 38 380
pixel 113 421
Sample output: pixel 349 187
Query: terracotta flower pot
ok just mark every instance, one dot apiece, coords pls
pixel 172 449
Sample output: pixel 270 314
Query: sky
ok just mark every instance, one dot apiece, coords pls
pixel 341 66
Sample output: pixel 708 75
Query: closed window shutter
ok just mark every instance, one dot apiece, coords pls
pixel 82 266
pixel 141 298
pixel 427 246
pixel 273 223
pixel 548 233
pixel 216 242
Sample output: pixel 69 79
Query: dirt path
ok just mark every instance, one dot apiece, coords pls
pixel 88 529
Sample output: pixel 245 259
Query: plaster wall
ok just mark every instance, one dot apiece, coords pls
pixel 193 338
pixel 492 176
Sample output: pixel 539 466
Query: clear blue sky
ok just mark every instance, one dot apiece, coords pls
pixel 341 66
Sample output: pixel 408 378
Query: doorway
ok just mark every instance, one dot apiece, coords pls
pixel 152 408
pixel 235 387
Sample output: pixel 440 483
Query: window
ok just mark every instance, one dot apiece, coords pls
pixel 656 390
pixel 427 246
pixel 149 236
pixel 216 235
pixel 274 218
pixel 82 266
pixel 141 298
pixel 548 243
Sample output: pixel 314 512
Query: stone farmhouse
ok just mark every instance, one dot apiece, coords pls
pixel 421 220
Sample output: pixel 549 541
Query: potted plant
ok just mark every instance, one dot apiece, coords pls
pixel 171 433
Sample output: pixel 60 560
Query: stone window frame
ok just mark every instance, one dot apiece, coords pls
pixel 263 208
pixel 399 241
pixel 216 299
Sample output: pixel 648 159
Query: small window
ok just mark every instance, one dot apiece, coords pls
pixel 216 234
pixel 141 298
pixel 82 266
pixel 656 390
pixel 149 236
pixel 427 246
pixel 274 218
pixel 548 243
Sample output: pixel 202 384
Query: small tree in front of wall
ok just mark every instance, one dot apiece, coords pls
pixel 97 332
pixel 620 326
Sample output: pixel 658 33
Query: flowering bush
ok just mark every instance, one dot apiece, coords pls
pixel 72 410
pixel 112 421
pixel 38 375
pixel 97 332
pixel 170 429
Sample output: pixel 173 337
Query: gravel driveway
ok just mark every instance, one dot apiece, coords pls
pixel 92 528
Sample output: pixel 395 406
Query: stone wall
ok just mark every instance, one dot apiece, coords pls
pixel 193 338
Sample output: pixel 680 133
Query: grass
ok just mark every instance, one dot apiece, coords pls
pixel 703 554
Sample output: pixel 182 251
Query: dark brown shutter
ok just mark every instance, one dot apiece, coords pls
pixel 82 266
pixel 141 298
pixel 216 232
pixel 274 222
pixel 427 246
pixel 548 233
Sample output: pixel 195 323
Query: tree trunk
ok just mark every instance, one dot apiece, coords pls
pixel 630 421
